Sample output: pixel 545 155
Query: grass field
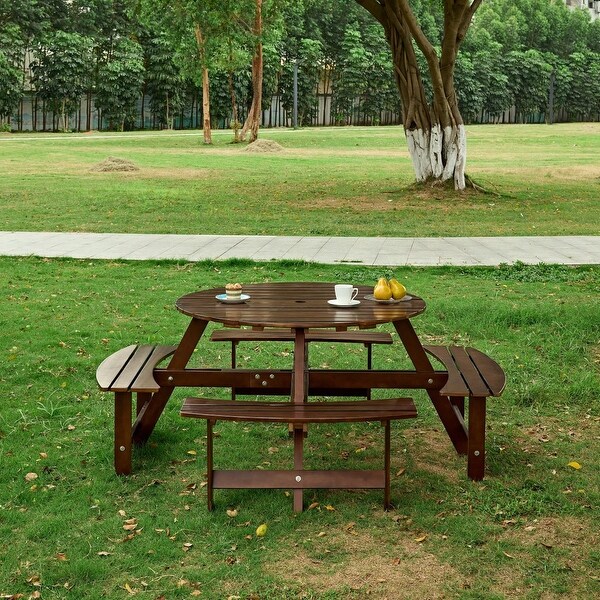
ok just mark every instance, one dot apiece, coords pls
pixel 70 528
pixel 542 180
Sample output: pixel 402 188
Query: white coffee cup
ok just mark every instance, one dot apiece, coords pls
pixel 345 293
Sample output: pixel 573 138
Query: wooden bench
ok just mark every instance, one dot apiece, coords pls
pixel 299 414
pixel 474 375
pixel 367 338
pixel 128 371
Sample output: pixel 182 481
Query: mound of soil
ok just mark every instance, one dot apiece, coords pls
pixel 264 146
pixel 112 163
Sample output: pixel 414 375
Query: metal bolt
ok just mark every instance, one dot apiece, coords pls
pixel 430 381
pixel 264 383
pixel 122 448
pixel 476 453
pixel 170 378
pixel 271 376
pixel 257 376
pixel 298 478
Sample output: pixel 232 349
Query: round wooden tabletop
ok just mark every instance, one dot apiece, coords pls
pixel 296 305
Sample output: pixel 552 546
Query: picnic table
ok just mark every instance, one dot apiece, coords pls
pixel 301 313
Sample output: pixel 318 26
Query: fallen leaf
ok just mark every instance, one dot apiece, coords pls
pixel 232 513
pixel 329 507
pixel 321 534
pixel 31 477
pixel 43 455
pixel 261 530
pixel 187 546
pixel 60 556
pixel 400 472
pixel 313 505
pixel 421 538
pixel 103 553
pixel 128 588
pixel 547 545
pixel 130 526
pixel 508 555
pixel 192 452
pixel 575 465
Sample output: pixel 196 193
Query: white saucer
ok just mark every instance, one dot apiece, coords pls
pixel 223 298
pixel 341 304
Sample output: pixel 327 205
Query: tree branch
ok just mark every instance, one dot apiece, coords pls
pixel 375 8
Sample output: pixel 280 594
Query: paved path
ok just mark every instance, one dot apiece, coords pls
pixel 572 250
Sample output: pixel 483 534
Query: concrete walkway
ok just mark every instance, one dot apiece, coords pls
pixel 571 250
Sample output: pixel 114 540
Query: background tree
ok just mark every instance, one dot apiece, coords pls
pixel 119 85
pixel 61 72
pixel 434 130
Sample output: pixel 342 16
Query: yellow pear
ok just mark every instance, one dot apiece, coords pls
pixel 398 290
pixel 382 290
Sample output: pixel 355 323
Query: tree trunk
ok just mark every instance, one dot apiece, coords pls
pixel 434 131
pixel 235 125
pixel 252 122
pixel 205 85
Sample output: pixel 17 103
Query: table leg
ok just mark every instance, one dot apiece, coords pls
pixel 299 395
pixel 455 427
pixel 122 450
pixel 151 411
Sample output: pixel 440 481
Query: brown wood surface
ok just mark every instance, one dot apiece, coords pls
pixel 259 479
pixel 295 305
pixel 470 372
pixel 310 412
pixel 132 368
pixel 284 335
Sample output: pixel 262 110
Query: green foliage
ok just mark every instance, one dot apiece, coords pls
pixel 164 82
pixel 120 78
pixel 10 86
pixel 61 73
pixel 528 81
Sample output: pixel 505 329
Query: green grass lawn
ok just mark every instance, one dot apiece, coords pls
pixel 542 180
pixel 70 528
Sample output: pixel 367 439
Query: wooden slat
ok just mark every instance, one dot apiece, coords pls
pixel 489 370
pixel 145 381
pixel 131 370
pixel 455 386
pixel 230 479
pixel 469 372
pixel 111 367
pixel 284 335
pixel 287 412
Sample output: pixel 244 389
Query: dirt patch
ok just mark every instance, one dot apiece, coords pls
pixel 113 163
pixel 369 566
pixel 433 452
pixel 264 146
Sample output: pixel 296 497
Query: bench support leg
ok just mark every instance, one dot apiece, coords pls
pixel 209 464
pixel 455 427
pixel 476 456
pixel 386 466
pixel 123 415
pixel 151 412
pixel 142 398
